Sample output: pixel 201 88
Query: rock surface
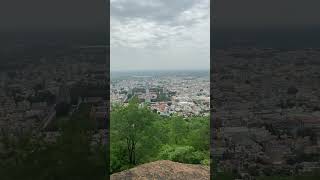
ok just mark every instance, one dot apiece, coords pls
pixel 164 170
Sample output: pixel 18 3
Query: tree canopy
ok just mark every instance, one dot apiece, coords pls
pixel 138 135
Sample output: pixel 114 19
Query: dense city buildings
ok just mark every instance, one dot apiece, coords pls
pixel 168 93
pixel 37 92
pixel 266 111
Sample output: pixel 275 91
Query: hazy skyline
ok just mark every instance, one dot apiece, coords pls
pixel 159 34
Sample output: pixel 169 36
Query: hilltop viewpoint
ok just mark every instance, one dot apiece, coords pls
pixel 164 170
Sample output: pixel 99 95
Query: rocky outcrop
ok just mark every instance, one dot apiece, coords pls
pixel 164 170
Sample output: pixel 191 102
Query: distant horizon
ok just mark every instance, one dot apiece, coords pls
pixel 156 70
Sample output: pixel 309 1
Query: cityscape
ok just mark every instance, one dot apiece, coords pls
pixel 159 89
pixel 53 98
pixel 32 95
pixel 167 93
pixel 266 111
pixel 165 109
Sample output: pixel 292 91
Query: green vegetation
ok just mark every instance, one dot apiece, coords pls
pixel 300 177
pixel 223 176
pixel 138 135
pixel 162 96
pixel 231 176
pixel 70 158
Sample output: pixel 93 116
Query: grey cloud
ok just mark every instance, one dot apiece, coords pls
pixel 159 10
pixel 51 14
pixel 142 31
pixel 266 13
pixel 160 34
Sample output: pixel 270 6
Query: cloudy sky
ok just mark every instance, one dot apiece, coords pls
pixel 266 23
pixel 50 15
pixel 266 13
pixel 159 34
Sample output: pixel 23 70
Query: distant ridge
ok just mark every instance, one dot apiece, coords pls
pixel 164 170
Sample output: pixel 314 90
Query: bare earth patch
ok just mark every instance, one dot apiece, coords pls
pixel 164 170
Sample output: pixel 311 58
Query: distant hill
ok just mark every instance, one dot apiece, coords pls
pixel 166 170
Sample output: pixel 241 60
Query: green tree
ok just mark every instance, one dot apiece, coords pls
pixel 133 125
pixel 178 130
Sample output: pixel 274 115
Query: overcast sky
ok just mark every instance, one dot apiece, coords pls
pixel 159 34
pixel 266 13
pixel 52 15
